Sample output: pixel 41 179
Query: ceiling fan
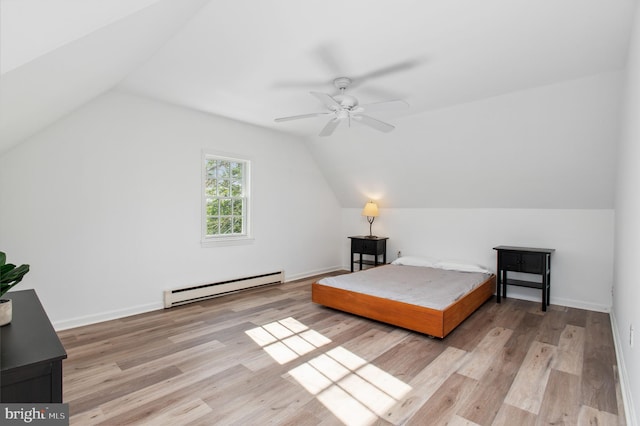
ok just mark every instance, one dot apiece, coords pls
pixel 344 107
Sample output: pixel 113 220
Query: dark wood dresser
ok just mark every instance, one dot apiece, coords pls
pixel 31 353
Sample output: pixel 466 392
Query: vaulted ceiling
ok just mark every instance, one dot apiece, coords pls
pixel 254 61
pixel 257 60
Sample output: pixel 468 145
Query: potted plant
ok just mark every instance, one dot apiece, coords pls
pixel 10 275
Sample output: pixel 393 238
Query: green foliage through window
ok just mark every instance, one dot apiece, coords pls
pixel 225 192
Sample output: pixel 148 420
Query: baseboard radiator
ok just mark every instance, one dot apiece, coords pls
pixel 182 296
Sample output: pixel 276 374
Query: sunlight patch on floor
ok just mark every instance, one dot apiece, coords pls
pixel 287 339
pixel 355 391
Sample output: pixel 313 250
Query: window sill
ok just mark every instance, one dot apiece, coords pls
pixel 226 241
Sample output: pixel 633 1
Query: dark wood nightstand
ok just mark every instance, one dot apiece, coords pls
pixel 371 246
pixel 528 260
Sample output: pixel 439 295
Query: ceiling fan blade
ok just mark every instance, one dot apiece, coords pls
pixel 327 100
pixel 297 117
pixel 389 69
pixel 393 105
pixel 330 56
pixel 330 127
pixel 372 122
pixel 305 84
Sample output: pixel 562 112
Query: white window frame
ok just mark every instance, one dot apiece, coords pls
pixel 226 239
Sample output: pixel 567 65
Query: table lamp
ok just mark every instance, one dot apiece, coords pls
pixel 371 212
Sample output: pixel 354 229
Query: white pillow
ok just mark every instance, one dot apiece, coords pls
pixel 415 261
pixel 455 265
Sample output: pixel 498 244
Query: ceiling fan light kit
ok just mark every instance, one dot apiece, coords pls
pixel 346 107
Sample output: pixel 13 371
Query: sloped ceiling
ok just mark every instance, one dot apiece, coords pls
pixel 255 60
pixel 58 55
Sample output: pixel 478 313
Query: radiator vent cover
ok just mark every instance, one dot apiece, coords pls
pixel 185 295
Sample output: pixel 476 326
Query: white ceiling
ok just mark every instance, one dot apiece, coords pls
pixel 257 60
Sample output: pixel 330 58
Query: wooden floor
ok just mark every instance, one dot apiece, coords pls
pixel 270 356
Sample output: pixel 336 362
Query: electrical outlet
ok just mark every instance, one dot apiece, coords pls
pixel 631 335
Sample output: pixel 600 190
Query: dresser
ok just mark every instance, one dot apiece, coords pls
pixel 374 248
pixel 529 262
pixel 31 353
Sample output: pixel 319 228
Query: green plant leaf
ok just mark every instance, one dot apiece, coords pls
pixel 10 275
pixel 15 274
pixel 4 269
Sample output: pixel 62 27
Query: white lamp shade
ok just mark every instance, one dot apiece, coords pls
pixel 370 209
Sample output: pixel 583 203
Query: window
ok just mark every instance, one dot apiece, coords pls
pixel 225 198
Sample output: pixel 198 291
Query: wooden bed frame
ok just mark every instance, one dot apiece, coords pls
pixel 417 318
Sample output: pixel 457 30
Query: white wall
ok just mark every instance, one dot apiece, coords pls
pixel 530 168
pixel 627 236
pixel 105 206
pixel 583 239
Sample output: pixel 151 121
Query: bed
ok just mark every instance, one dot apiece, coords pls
pixel 414 293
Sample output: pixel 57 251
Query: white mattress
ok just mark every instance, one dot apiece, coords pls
pixel 428 287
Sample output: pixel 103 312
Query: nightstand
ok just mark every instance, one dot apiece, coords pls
pixel 528 260
pixel 369 246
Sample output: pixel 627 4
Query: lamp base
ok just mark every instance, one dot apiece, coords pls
pixel 370 219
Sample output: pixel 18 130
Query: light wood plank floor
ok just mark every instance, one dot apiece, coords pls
pixel 271 356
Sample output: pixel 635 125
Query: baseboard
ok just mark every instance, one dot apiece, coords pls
pixel 308 274
pixel 579 304
pixel 570 303
pixel 140 309
pixel 629 409
pixel 106 316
